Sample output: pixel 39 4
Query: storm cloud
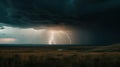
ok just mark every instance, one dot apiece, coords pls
pixel 77 13
pixel 98 18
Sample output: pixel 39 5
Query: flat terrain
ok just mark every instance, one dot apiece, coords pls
pixel 60 56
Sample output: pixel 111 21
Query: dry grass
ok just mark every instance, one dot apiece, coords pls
pixel 53 57
pixel 59 59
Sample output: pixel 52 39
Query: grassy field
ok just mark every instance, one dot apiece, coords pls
pixel 60 56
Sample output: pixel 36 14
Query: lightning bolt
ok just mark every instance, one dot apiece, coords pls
pixel 68 36
pixel 52 36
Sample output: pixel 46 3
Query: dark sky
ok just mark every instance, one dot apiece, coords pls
pixel 99 18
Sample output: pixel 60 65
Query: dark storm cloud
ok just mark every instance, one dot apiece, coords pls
pixel 101 17
pixel 33 13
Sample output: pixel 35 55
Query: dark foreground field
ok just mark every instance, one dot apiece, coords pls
pixel 60 56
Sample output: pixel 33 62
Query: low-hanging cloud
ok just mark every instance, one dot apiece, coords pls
pixel 75 13
pixel 98 17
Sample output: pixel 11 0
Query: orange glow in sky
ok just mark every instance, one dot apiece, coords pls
pixel 7 40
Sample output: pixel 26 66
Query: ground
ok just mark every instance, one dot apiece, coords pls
pixel 60 56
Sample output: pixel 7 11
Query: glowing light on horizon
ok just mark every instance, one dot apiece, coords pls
pixel 7 40
pixel 51 35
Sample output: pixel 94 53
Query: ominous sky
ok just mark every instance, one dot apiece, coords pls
pixel 94 21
